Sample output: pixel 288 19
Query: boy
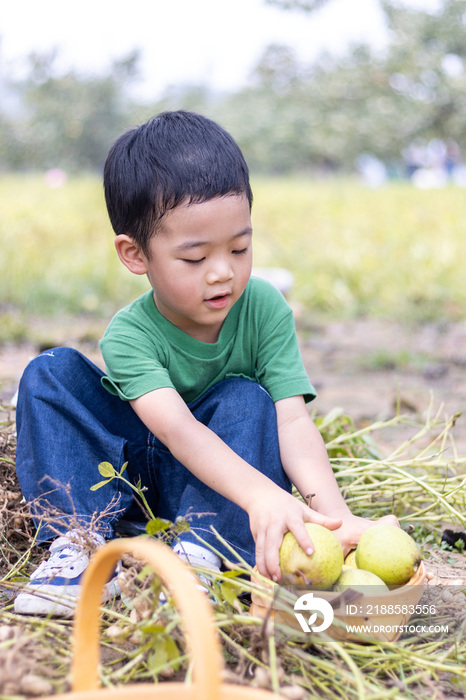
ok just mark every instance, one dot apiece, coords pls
pixel 205 392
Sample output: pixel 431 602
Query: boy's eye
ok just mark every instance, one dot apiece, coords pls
pixel 193 262
pixel 240 252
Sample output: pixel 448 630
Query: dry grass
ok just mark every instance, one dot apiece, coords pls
pixel 142 640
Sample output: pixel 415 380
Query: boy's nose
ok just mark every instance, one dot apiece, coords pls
pixel 220 271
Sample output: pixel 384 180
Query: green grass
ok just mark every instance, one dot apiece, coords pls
pixel 393 252
pixel 56 249
pixel 396 252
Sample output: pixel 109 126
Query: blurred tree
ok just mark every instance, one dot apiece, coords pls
pixel 425 69
pixel 365 101
pixel 415 90
pixel 289 117
pixel 272 118
pixel 306 5
pixel 66 121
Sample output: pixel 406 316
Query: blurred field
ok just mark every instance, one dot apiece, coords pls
pixel 396 252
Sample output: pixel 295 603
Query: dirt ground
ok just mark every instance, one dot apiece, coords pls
pixel 369 367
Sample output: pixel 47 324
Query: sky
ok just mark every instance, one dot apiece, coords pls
pixel 211 42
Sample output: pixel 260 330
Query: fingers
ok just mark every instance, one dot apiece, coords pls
pixel 312 516
pixel 352 529
pixel 269 541
pixel 346 548
pixel 260 558
pixel 303 538
pixel 268 546
pixel 268 553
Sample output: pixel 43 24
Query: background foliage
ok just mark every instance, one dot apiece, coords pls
pixel 290 117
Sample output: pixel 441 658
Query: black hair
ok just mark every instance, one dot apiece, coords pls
pixel 175 157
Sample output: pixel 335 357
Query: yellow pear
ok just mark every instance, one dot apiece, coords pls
pixel 319 570
pixel 389 552
pixel 350 559
pixel 359 580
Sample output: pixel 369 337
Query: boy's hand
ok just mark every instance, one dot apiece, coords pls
pixel 353 526
pixel 274 514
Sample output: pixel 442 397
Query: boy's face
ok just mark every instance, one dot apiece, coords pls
pixel 200 262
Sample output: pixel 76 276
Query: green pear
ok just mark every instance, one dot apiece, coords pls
pixel 319 570
pixel 389 552
pixel 350 559
pixel 359 580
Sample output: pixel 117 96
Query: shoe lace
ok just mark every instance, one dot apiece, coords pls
pixel 62 557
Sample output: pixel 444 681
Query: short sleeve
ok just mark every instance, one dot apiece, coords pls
pixel 279 365
pixel 134 362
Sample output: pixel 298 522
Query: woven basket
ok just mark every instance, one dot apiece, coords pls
pixel 198 624
pixel 388 627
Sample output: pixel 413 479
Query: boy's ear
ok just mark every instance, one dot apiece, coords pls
pixel 130 255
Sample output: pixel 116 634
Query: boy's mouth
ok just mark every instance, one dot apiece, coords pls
pixel 219 301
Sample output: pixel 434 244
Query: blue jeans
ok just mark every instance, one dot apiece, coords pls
pixel 67 423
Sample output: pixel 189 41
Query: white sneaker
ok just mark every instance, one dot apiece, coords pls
pixel 197 557
pixel 55 586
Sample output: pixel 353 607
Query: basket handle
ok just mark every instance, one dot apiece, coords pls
pixel 192 603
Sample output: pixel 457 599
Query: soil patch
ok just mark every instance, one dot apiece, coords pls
pixel 372 368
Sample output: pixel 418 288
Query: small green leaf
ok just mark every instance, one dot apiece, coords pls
pixel 159 658
pixel 153 629
pixel 181 525
pixel 106 469
pixel 234 573
pixel 172 650
pixel 166 653
pixel 123 468
pixel 157 525
pixel 100 484
pixel 229 592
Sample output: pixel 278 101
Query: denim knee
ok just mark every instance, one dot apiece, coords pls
pixel 40 367
pixel 237 397
pixel 245 389
pixel 67 424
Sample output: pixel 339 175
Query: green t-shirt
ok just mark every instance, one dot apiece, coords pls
pixel 144 351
